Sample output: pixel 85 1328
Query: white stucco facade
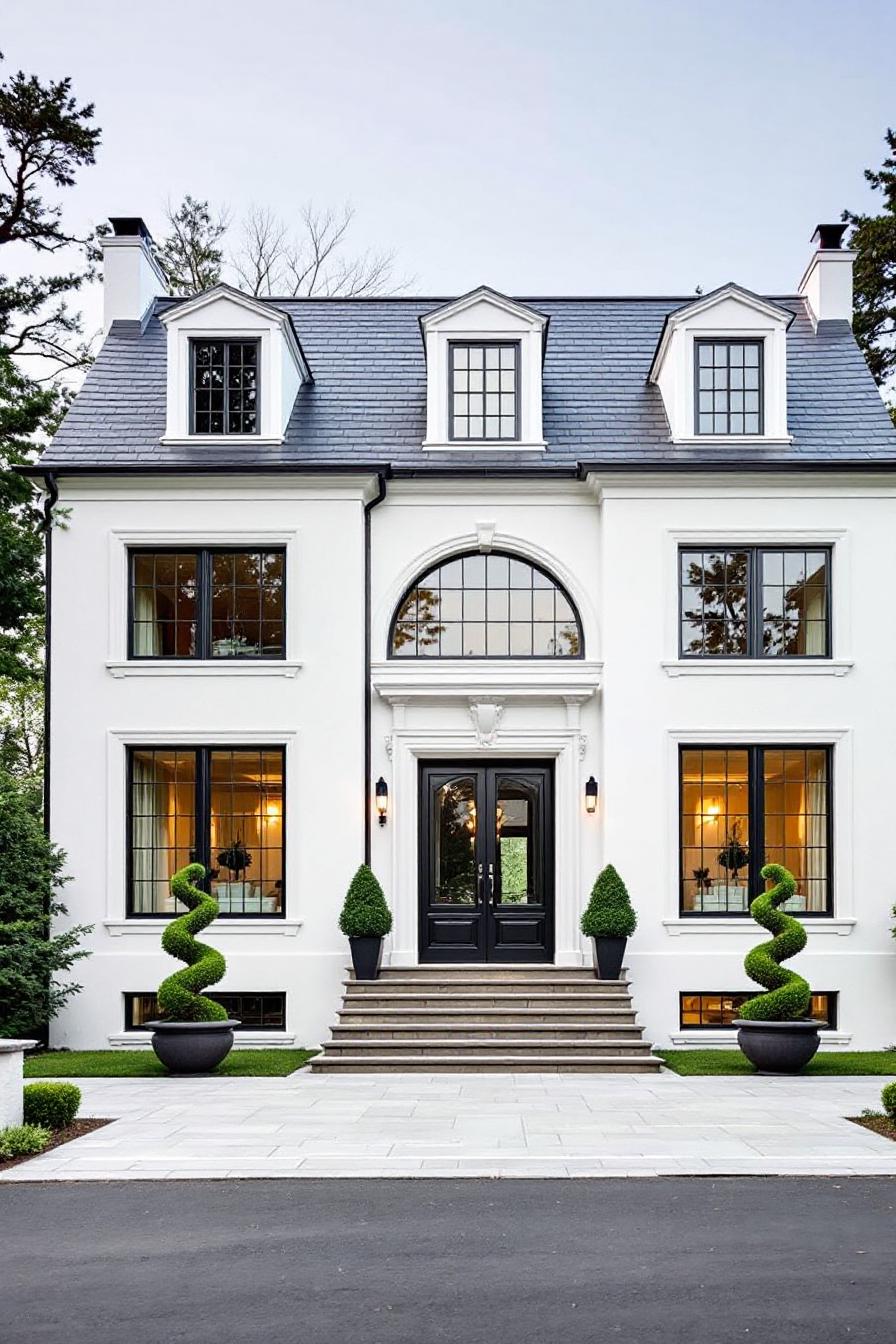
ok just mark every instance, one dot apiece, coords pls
pixel 618 713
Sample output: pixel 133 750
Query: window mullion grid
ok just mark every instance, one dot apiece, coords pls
pixel 755 604
pixel 203 604
pixel 756 796
pixel 203 822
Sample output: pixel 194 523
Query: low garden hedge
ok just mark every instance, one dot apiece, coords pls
pixel 23 1141
pixel 51 1105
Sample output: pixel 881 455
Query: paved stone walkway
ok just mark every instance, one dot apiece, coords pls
pixel 470 1125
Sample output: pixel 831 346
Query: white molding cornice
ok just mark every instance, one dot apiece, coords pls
pixel 264 924
pixel 754 667
pixel 475 680
pixel 200 667
pixel 714 924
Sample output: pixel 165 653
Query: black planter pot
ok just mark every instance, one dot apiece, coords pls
pixel 778 1047
pixel 608 955
pixel 192 1047
pixel 366 956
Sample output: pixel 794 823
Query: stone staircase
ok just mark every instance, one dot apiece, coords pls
pixel 477 1019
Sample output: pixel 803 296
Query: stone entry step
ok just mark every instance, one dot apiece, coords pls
pixel 517 1018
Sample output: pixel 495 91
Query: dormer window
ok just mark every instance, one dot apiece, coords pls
pixel 235 369
pixel 224 387
pixel 728 387
pixel 483 396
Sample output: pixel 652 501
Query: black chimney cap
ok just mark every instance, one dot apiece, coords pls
pixel 129 226
pixel 829 236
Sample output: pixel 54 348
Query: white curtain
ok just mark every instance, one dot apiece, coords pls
pixel 149 842
pixel 814 617
pixel 147 638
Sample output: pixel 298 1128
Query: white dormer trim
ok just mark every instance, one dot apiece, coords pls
pixel 484 315
pixel 729 313
pixel 225 313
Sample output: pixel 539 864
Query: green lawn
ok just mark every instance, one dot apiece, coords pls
pixel 690 1063
pixel 143 1064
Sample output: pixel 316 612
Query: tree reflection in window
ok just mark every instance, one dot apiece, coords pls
pixel 486 606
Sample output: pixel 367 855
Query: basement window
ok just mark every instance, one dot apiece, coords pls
pixel 708 1010
pixel 258 1011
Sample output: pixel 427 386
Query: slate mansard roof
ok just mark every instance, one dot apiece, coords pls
pixel 367 403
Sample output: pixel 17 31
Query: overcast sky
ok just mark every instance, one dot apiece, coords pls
pixel 540 146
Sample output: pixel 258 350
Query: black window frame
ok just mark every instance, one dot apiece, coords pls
pixel 202 815
pixel 488 657
pixel 755 607
pixel 226 341
pixel 831 1015
pixel 204 555
pixel 280 994
pixel 756 838
pixel 729 433
pixel 517 369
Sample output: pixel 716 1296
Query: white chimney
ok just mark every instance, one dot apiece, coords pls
pixel 132 277
pixel 827 283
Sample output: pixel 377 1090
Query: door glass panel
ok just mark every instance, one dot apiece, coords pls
pixel 517 871
pixel 454 842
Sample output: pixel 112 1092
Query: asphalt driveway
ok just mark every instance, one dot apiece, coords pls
pixel 701 1261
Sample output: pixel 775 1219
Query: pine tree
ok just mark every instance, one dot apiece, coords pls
pixel 874 239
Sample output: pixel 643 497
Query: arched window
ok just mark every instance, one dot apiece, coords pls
pixel 486 606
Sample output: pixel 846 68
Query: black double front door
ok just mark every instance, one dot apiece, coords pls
pixel 486 862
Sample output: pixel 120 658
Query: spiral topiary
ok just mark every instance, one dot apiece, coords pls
pixel 179 996
pixel 789 994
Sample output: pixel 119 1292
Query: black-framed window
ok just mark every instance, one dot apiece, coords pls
pixel 754 601
pixel 219 806
pixel 262 1011
pixel 222 603
pixel 744 806
pixel 705 1010
pixel 483 390
pixel 486 606
pixel 224 387
pixel 728 387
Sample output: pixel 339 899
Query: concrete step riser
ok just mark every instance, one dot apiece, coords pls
pixel 329 1065
pixel 471 1032
pixel 500 1002
pixel 398 1050
pixel 529 976
pixel 497 1021
pixel 493 985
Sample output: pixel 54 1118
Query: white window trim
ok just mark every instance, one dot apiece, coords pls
pixel 270 392
pixel 118 740
pixel 727 1036
pixel 252 1040
pixel 117 579
pixel 840 740
pixel 840 542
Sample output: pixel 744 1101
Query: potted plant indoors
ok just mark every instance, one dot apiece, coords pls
pixel 773 1030
pixel 610 920
pixel 194 1033
pixel 735 855
pixel 236 859
pixel 365 920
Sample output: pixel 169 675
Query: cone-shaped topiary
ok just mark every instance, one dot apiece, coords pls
pixel 365 913
pixel 790 995
pixel 180 999
pixel 609 912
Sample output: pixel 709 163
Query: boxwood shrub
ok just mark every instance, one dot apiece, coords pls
pixel 51 1105
pixel 888 1098
pixel 23 1141
pixel 365 913
pixel 609 912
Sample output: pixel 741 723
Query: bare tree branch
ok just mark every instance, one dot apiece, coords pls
pixel 258 262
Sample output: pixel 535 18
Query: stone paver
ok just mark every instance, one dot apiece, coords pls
pixel 455 1125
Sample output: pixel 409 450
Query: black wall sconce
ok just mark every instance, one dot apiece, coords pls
pixel 591 794
pixel 381 791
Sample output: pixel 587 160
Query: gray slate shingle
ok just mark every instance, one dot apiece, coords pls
pixel 367 402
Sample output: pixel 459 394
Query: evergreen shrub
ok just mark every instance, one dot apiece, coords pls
pixel 609 912
pixel 180 997
pixel 789 994
pixel 51 1105
pixel 365 913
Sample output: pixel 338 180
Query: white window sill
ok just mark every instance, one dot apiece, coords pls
pixel 703 924
pixel 219 440
pixel 732 440
pixel 202 667
pixel 728 1036
pixel 141 1040
pixel 283 928
pixel 482 446
pixel 757 667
